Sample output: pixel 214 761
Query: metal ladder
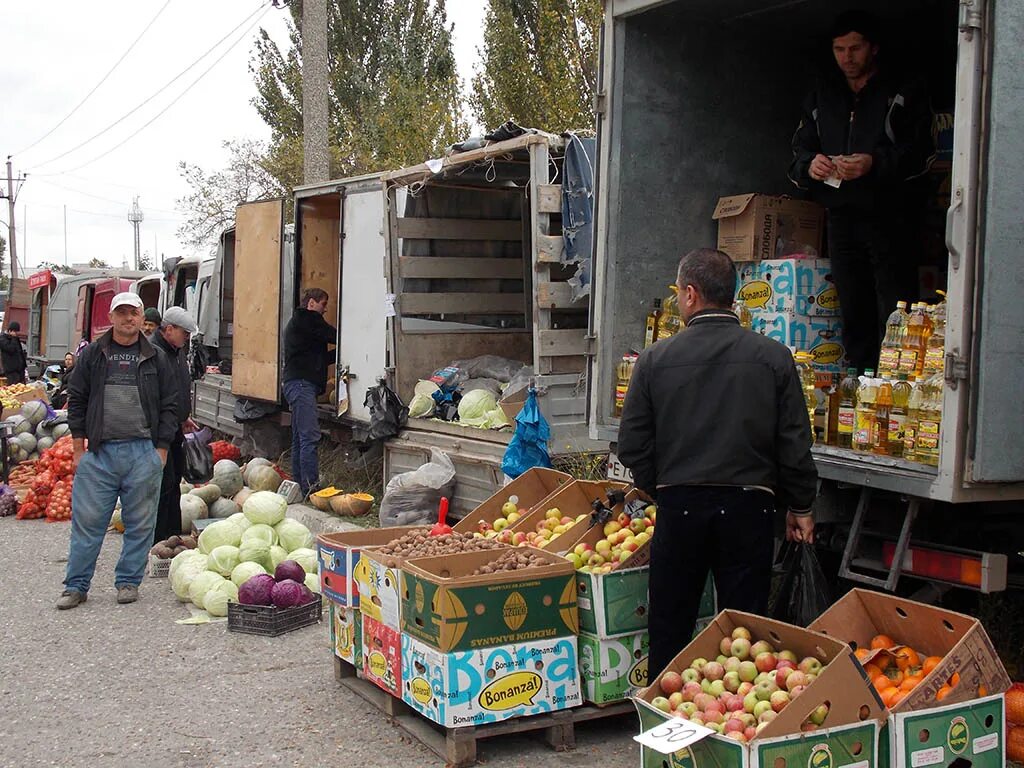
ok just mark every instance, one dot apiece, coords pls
pixel 857 531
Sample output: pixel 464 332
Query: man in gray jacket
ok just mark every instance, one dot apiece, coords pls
pixel 715 427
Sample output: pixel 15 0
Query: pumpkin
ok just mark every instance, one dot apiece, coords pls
pixel 228 477
pixel 351 504
pixel 255 464
pixel 1015 743
pixel 264 478
pixel 223 507
pixel 1015 704
pixel 322 499
pixel 208 493
pixel 192 508
pixel 242 495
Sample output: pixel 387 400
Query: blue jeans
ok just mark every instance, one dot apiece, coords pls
pixel 131 470
pixel 301 397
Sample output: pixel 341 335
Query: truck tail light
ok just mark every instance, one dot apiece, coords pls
pixel 983 571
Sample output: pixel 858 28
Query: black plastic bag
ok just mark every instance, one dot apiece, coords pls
pixel 803 595
pixel 388 413
pixel 198 462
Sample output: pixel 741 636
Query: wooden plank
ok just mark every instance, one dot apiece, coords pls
pixel 549 248
pixel 557 343
pixel 462 304
pixel 460 229
pixel 319 255
pixel 453 266
pixel 549 198
pixel 558 296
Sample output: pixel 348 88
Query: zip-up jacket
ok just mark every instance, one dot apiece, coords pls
pixel 305 348
pixel 719 405
pixel 158 392
pixel 179 364
pixel 889 121
pixel 12 354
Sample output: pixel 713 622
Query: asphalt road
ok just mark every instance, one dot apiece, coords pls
pixel 124 685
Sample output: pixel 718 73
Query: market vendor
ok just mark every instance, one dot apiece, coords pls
pixel 862 136
pixel 715 428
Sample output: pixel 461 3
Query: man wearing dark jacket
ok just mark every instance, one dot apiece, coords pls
pixel 306 338
pixel 12 355
pixel 171 337
pixel 715 428
pixel 862 136
pixel 123 401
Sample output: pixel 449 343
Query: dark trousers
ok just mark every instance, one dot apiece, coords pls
pixel 15 377
pixel 168 511
pixel 727 531
pixel 872 271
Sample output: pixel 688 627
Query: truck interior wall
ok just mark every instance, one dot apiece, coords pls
pixel 227 299
pixel 318 258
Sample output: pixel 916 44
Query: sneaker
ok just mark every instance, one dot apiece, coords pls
pixel 128 593
pixel 69 598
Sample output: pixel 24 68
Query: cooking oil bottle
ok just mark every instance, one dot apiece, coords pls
pixel 915 404
pixel 898 414
pixel 847 409
pixel 623 373
pixel 929 425
pixel 651 332
pixel 865 428
pixel 915 341
pixel 935 353
pixel 832 411
pixel 805 368
pixel 743 313
pixel 895 327
pixel 669 324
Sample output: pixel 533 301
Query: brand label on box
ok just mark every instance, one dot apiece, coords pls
pixel 821 336
pixel 613 669
pixel 378 590
pixel 347 634
pixel 802 286
pixel 382 656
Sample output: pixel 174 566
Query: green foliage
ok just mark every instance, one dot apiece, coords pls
pixel 56 268
pixel 539 64
pixel 394 90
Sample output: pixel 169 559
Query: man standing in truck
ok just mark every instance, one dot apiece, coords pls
pixel 863 134
pixel 715 428
pixel 12 355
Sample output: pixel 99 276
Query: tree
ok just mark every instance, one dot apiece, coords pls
pixel 145 262
pixel 95 263
pixel 62 269
pixel 209 207
pixel 394 89
pixel 539 64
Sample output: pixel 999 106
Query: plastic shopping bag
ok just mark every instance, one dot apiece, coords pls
pixel 412 498
pixel 804 594
pixel 528 447
pixel 198 462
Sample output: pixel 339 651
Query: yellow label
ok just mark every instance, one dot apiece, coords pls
pixel 827 353
pixel 756 293
pixel 378 664
pixel 888 360
pixel 829 298
pixel 514 611
pixel 514 690
pixel 420 690
pixel 959 736
pixel 638 673
pixel 908 361
pixel 419 597
pixel 847 418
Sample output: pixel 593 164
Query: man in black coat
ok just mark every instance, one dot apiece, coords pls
pixel 12 355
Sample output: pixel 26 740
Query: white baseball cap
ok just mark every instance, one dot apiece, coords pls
pixel 126 299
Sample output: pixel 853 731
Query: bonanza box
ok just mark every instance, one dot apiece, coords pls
pixel 339 555
pixel 821 336
pixel 347 634
pixel 613 669
pixel 802 286
pixel 382 656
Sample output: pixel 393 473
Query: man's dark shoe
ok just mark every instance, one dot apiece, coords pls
pixel 127 594
pixel 69 598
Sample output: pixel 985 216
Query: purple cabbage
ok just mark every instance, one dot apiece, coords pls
pixel 288 594
pixel 257 590
pixel 289 569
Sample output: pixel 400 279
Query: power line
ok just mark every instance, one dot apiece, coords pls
pixel 153 96
pixel 101 82
pixel 98 197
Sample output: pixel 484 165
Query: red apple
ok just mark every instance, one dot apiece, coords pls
pixel 732 664
pixel 781 675
pixel 765 662
pixel 784 663
pixel 810 666
pixel 675 700
pixel 779 700
pixel 702 700
pixel 736 736
pixel 797 690
pixel 750 732
pixel 671 682
pixel 714 671
pixel 713 717
pixel 733 724
pixel 731 681
pixel 726 646
pixel 714 706
pixel 767 717
pixel 745 688
pixel 761 646
pixel 796 679
pixel 697 718
pixel 691 691
pixel 788 656
pixel 734 703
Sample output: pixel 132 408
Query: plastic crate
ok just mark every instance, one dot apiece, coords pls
pixel 159 567
pixel 270 621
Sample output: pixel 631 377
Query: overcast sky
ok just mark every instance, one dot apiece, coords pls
pixel 56 52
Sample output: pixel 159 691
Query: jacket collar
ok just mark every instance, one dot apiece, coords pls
pixel 707 316
pixel 157 340
pixel 146 350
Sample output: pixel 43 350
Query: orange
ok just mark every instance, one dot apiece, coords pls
pixel 907 658
pixel 881 683
pixel 883 660
pixel 954 681
pixel 944 691
pixel 910 682
pixel 896 698
pixel 930 663
pixel 881 641
pixel 895 675
pixel 861 653
pixel 872 670
pixel 889 696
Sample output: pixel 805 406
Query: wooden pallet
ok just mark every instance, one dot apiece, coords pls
pixel 458 746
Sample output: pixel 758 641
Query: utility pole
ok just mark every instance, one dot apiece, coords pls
pixel 65 235
pixel 316 159
pixel 135 217
pixel 10 209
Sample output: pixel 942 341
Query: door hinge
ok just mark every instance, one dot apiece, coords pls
pixel 601 103
pixel 956 369
pixel 971 16
pixel 591 341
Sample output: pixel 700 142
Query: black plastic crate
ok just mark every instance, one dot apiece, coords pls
pixel 270 621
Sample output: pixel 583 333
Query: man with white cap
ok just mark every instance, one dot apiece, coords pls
pixel 122 412
pixel 172 337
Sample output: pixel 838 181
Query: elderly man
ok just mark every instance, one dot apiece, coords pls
pixel 150 321
pixel 176 327
pixel 122 411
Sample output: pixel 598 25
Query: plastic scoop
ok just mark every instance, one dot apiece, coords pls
pixel 441 528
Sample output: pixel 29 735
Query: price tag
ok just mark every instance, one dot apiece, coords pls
pixel 673 735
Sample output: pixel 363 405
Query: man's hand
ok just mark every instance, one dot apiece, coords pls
pixel 189 426
pixel 852 167
pixel 800 528
pixel 79 447
pixel 162 453
pixel 821 168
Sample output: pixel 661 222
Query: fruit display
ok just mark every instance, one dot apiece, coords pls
pixel 50 493
pixel 421 544
pixel 552 525
pixel 511 513
pixel 1015 723
pixel 895 670
pixel 742 690
pixel 174 545
pixel 512 560
pixel 9 394
pixel 622 537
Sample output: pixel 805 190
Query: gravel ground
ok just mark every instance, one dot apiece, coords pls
pixel 123 685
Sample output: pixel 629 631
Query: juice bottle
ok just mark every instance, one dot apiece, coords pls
pixel 898 414
pixel 669 323
pixel 832 412
pixel 865 428
pixel 914 406
pixel 935 352
pixel 895 326
pixel 883 410
pixel 805 368
pixel 847 409
pixel 623 373
pixel 929 424
pixel 915 341
pixel 651 331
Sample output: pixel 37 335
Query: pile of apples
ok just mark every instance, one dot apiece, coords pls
pixel 742 690
pixel 553 525
pixel 897 671
pixel 622 537
pixel 511 514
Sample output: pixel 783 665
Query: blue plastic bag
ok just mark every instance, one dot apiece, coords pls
pixel 529 445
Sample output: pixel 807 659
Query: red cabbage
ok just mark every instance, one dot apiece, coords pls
pixel 289 569
pixel 257 590
pixel 288 594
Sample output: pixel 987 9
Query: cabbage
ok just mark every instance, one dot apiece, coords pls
pixel 289 569
pixel 306 558
pixel 240 520
pixel 260 532
pixel 278 555
pixel 223 560
pixel 186 574
pixel 293 535
pixel 242 572
pixel 223 532
pixel 265 507
pixel 421 406
pixel 256 591
pixel 288 594
pixel 312 582
pixel 476 406
pixel 202 584
pixel 256 552
pixel 183 557
pixel 217 599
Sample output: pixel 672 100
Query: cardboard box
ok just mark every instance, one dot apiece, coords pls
pixel 613 669
pixel 380 578
pixel 512 403
pixel 841 683
pixel 347 633
pixel 382 656
pixel 339 555
pixel 487 685
pixel 802 286
pixel 971 734
pixel 821 336
pixel 574 500
pixel 532 487
pixel 449 609
pixel 753 227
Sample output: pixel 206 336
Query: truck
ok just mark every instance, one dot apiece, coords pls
pixel 697 101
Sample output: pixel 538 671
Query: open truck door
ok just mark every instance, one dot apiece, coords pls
pixel 256 369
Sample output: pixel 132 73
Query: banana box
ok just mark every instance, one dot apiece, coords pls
pixel 487 685
pixel 821 336
pixel 382 656
pixel 347 633
pixel 801 286
pixel 379 579
pixel 613 669
pixel 339 555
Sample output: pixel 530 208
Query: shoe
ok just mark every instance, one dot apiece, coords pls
pixel 127 594
pixel 69 598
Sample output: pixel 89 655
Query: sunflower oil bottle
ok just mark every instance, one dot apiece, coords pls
pixel 669 323
pixel 832 411
pixel 865 427
pixel 898 414
pixel 651 331
pixel 808 383
pixel 915 341
pixel 935 352
pixel 847 409
pixel 883 412
pixel 895 327
pixel 915 405
pixel 743 313
pixel 623 373
pixel 929 424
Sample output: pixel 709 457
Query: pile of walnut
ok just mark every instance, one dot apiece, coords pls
pixel 420 544
pixel 172 546
pixel 513 561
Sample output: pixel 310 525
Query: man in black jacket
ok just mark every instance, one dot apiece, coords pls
pixel 12 355
pixel 862 136
pixel 715 428
pixel 123 401
pixel 306 338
